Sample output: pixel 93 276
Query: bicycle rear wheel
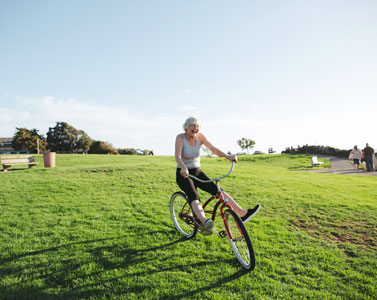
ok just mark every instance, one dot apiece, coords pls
pixel 182 215
pixel 239 240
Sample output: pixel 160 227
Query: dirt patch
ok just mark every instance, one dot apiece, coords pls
pixel 340 166
pixel 345 232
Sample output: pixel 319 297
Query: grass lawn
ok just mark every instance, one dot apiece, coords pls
pixel 99 227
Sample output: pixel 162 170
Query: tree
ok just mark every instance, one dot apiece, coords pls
pixel 246 143
pixel 84 142
pixel 100 147
pixel 30 140
pixel 20 138
pixel 66 138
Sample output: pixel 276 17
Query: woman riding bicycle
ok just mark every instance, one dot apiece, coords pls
pixel 187 156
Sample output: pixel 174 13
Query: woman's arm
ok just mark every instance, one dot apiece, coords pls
pixel 215 150
pixel 178 155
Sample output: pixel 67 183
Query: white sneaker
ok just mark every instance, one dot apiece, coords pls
pixel 207 227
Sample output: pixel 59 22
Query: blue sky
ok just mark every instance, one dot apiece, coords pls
pixel 283 73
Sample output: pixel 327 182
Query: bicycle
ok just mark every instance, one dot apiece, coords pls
pixel 187 224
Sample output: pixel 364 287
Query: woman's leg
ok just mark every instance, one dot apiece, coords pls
pixel 187 185
pixel 245 215
pixel 198 211
pixel 233 204
pixel 212 189
pixel 207 224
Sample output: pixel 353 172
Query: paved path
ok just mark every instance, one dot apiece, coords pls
pixel 341 166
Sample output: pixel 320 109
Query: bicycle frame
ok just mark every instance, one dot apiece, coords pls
pixel 221 201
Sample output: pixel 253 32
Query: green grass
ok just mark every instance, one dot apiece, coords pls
pixel 99 227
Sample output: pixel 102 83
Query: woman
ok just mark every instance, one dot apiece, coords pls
pixel 355 155
pixel 187 155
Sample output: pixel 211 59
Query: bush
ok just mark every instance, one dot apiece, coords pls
pixel 100 147
pixel 324 150
pixel 127 151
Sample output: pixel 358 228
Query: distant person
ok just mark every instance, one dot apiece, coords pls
pixel 187 156
pixel 368 157
pixel 355 155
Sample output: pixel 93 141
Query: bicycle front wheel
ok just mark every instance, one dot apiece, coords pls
pixel 182 215
pixel 239 240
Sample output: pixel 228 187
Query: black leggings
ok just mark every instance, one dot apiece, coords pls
pixel 189 185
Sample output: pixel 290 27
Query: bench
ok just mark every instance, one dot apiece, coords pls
pixel 11 160
pixel 315 161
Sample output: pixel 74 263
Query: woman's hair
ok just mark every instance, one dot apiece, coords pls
pixel 189 121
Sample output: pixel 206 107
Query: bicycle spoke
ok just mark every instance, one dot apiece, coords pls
pixel 239 240
pixel 181 215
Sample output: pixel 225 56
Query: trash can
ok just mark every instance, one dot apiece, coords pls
pixel 49 159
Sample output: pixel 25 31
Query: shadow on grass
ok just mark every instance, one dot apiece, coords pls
pixel 52 249
pixel 217 284
pixel 14 170
pixel 92 268
pixel 53 268
pixel 92 290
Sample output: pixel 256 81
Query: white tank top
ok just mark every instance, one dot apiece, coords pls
pixel 191 154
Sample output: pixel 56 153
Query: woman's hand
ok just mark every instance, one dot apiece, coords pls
pixel 232 158
pixel 184 172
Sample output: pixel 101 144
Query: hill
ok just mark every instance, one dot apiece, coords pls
pixel 98 227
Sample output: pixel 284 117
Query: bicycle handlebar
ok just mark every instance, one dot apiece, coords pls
pixel 215 179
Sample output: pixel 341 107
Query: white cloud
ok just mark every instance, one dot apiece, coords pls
pixel 252 105
pixel 187 108
pixel 116 125
pixel 9 115
pixel 124 128
pixel 327 129
pixel 187 91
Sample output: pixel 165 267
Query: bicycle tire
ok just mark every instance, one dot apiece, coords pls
pixel 240 241
pixel 179 207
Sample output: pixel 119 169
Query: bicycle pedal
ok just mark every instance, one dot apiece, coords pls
pixel 189 221
pixel 222 234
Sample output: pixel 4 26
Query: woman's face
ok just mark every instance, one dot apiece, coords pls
pixel 193 129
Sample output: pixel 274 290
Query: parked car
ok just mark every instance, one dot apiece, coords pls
pixel 140 152
pixel 241 153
